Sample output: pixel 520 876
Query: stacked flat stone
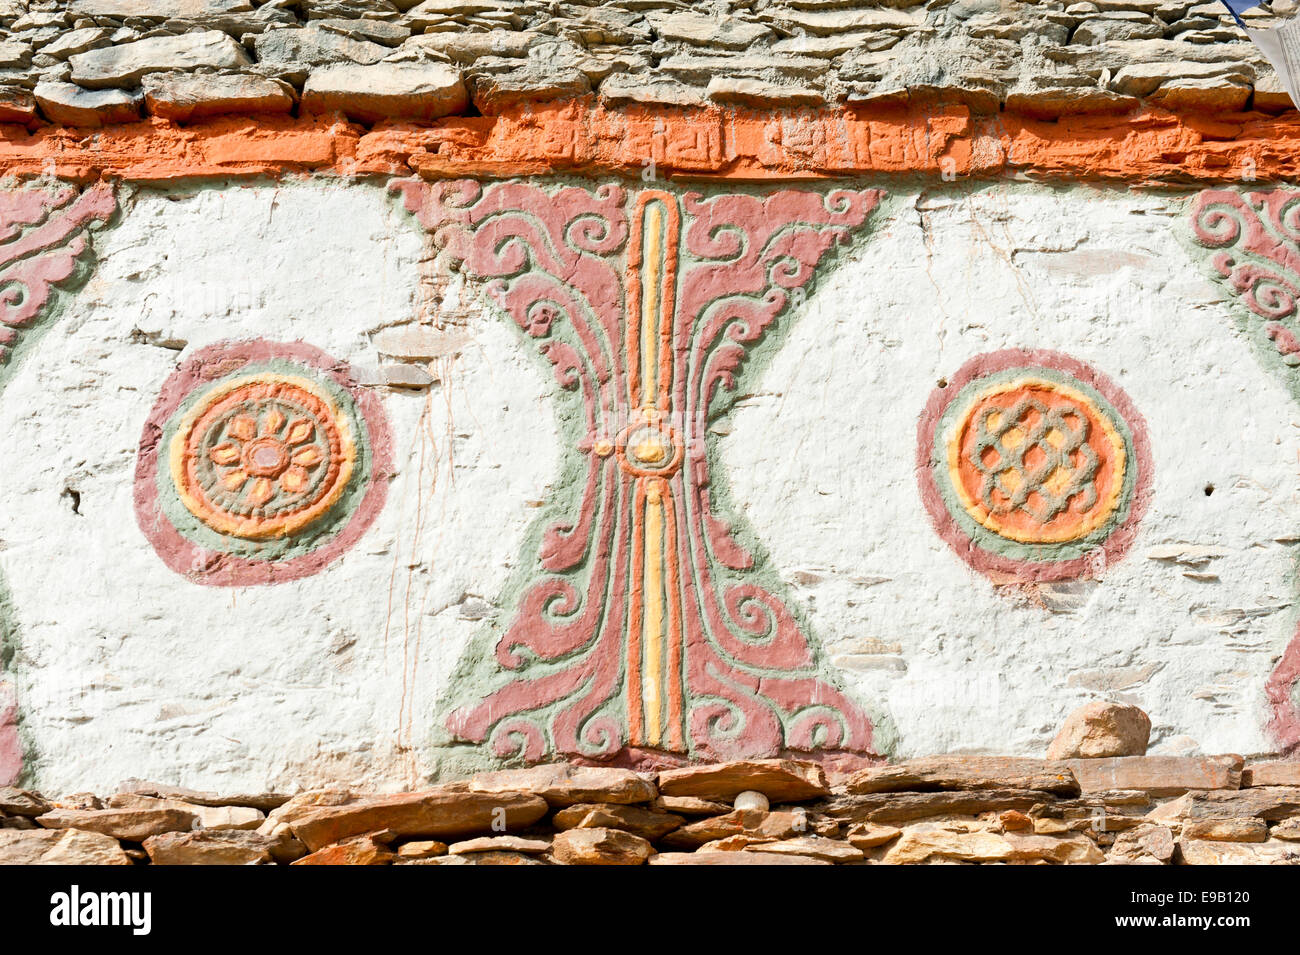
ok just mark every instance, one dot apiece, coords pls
pixel 1132 810
pixel 101 62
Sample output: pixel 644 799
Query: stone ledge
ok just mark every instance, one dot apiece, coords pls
pixel 1042 60
pixel 938 810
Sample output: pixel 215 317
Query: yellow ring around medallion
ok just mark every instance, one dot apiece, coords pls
pixel 260 528
pixel 980 513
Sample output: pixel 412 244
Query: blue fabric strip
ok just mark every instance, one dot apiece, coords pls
pixel 1237 7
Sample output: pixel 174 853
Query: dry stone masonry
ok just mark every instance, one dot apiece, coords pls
pixel 103 62
pixel 942 811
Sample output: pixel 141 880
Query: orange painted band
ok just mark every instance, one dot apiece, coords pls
pixel 580 136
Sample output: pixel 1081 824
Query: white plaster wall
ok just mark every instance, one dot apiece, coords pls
pixel 126 669
pixel 822 457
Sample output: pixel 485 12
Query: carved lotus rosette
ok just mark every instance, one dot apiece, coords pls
pixel 260 463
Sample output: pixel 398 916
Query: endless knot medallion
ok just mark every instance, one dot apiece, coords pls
pixel 1033 465
pixel 269 463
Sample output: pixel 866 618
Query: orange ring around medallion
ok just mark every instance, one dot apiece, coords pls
pixel 1103 439
pixel 185 449
pixel 650 422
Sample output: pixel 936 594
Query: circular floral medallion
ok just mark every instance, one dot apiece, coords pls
pixel 260 463
pixel 1033 466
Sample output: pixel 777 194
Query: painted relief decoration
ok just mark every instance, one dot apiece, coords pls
pixel 1033 466
pixel 43 242
pixel 1254 243
pixel 260 463
pixel 644 617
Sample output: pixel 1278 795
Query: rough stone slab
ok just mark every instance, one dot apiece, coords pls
pixel 1147 844
pixel 421 849
pixel 209 848
pixel 423 91
pixel 830 22
pixel 1205 852
pixel 690 806
pixel 704 68
pixel 266 802
pixel 466 48
pixel 437 813
pixel 405 375
pixel 1063 850
pixel 734 858
pixel 641 822
pixel 723 33
pixel 182 96
pixel 158 9
pixel 363 850
pixel 1257 774
pixel 898 808
pixel 601 847
pixel 1288 829
pixel 1158 775
pixel 496 92
pixel 128 825
pixel 293 52
pixel 1262 802
pixel 484 858
pixel 22 802
pixel 59 847
pixel 816 847
pixel 500 844
pixel 868 835
pixel 17 106
pixel 209 817
pixel 67 104
pixel 1226 830
pixel 1209 96
pixel 561 784
pixel 620 89
pixel 77 41
pixel 921 842
pixel 757 824
pixel 780 780
pixel 1049 103
pixel 1102 729
pixel 965 773
pixel 751 92
pixel 125 64
pixel 1143 79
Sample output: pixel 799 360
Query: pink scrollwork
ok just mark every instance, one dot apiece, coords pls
pixel 742 675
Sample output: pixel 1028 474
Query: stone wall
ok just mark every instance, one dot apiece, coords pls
pixel 954 811
pixel 97 62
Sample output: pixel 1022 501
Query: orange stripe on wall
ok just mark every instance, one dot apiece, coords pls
pixel 706 143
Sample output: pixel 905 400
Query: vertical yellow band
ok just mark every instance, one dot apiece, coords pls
pixel 653 625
